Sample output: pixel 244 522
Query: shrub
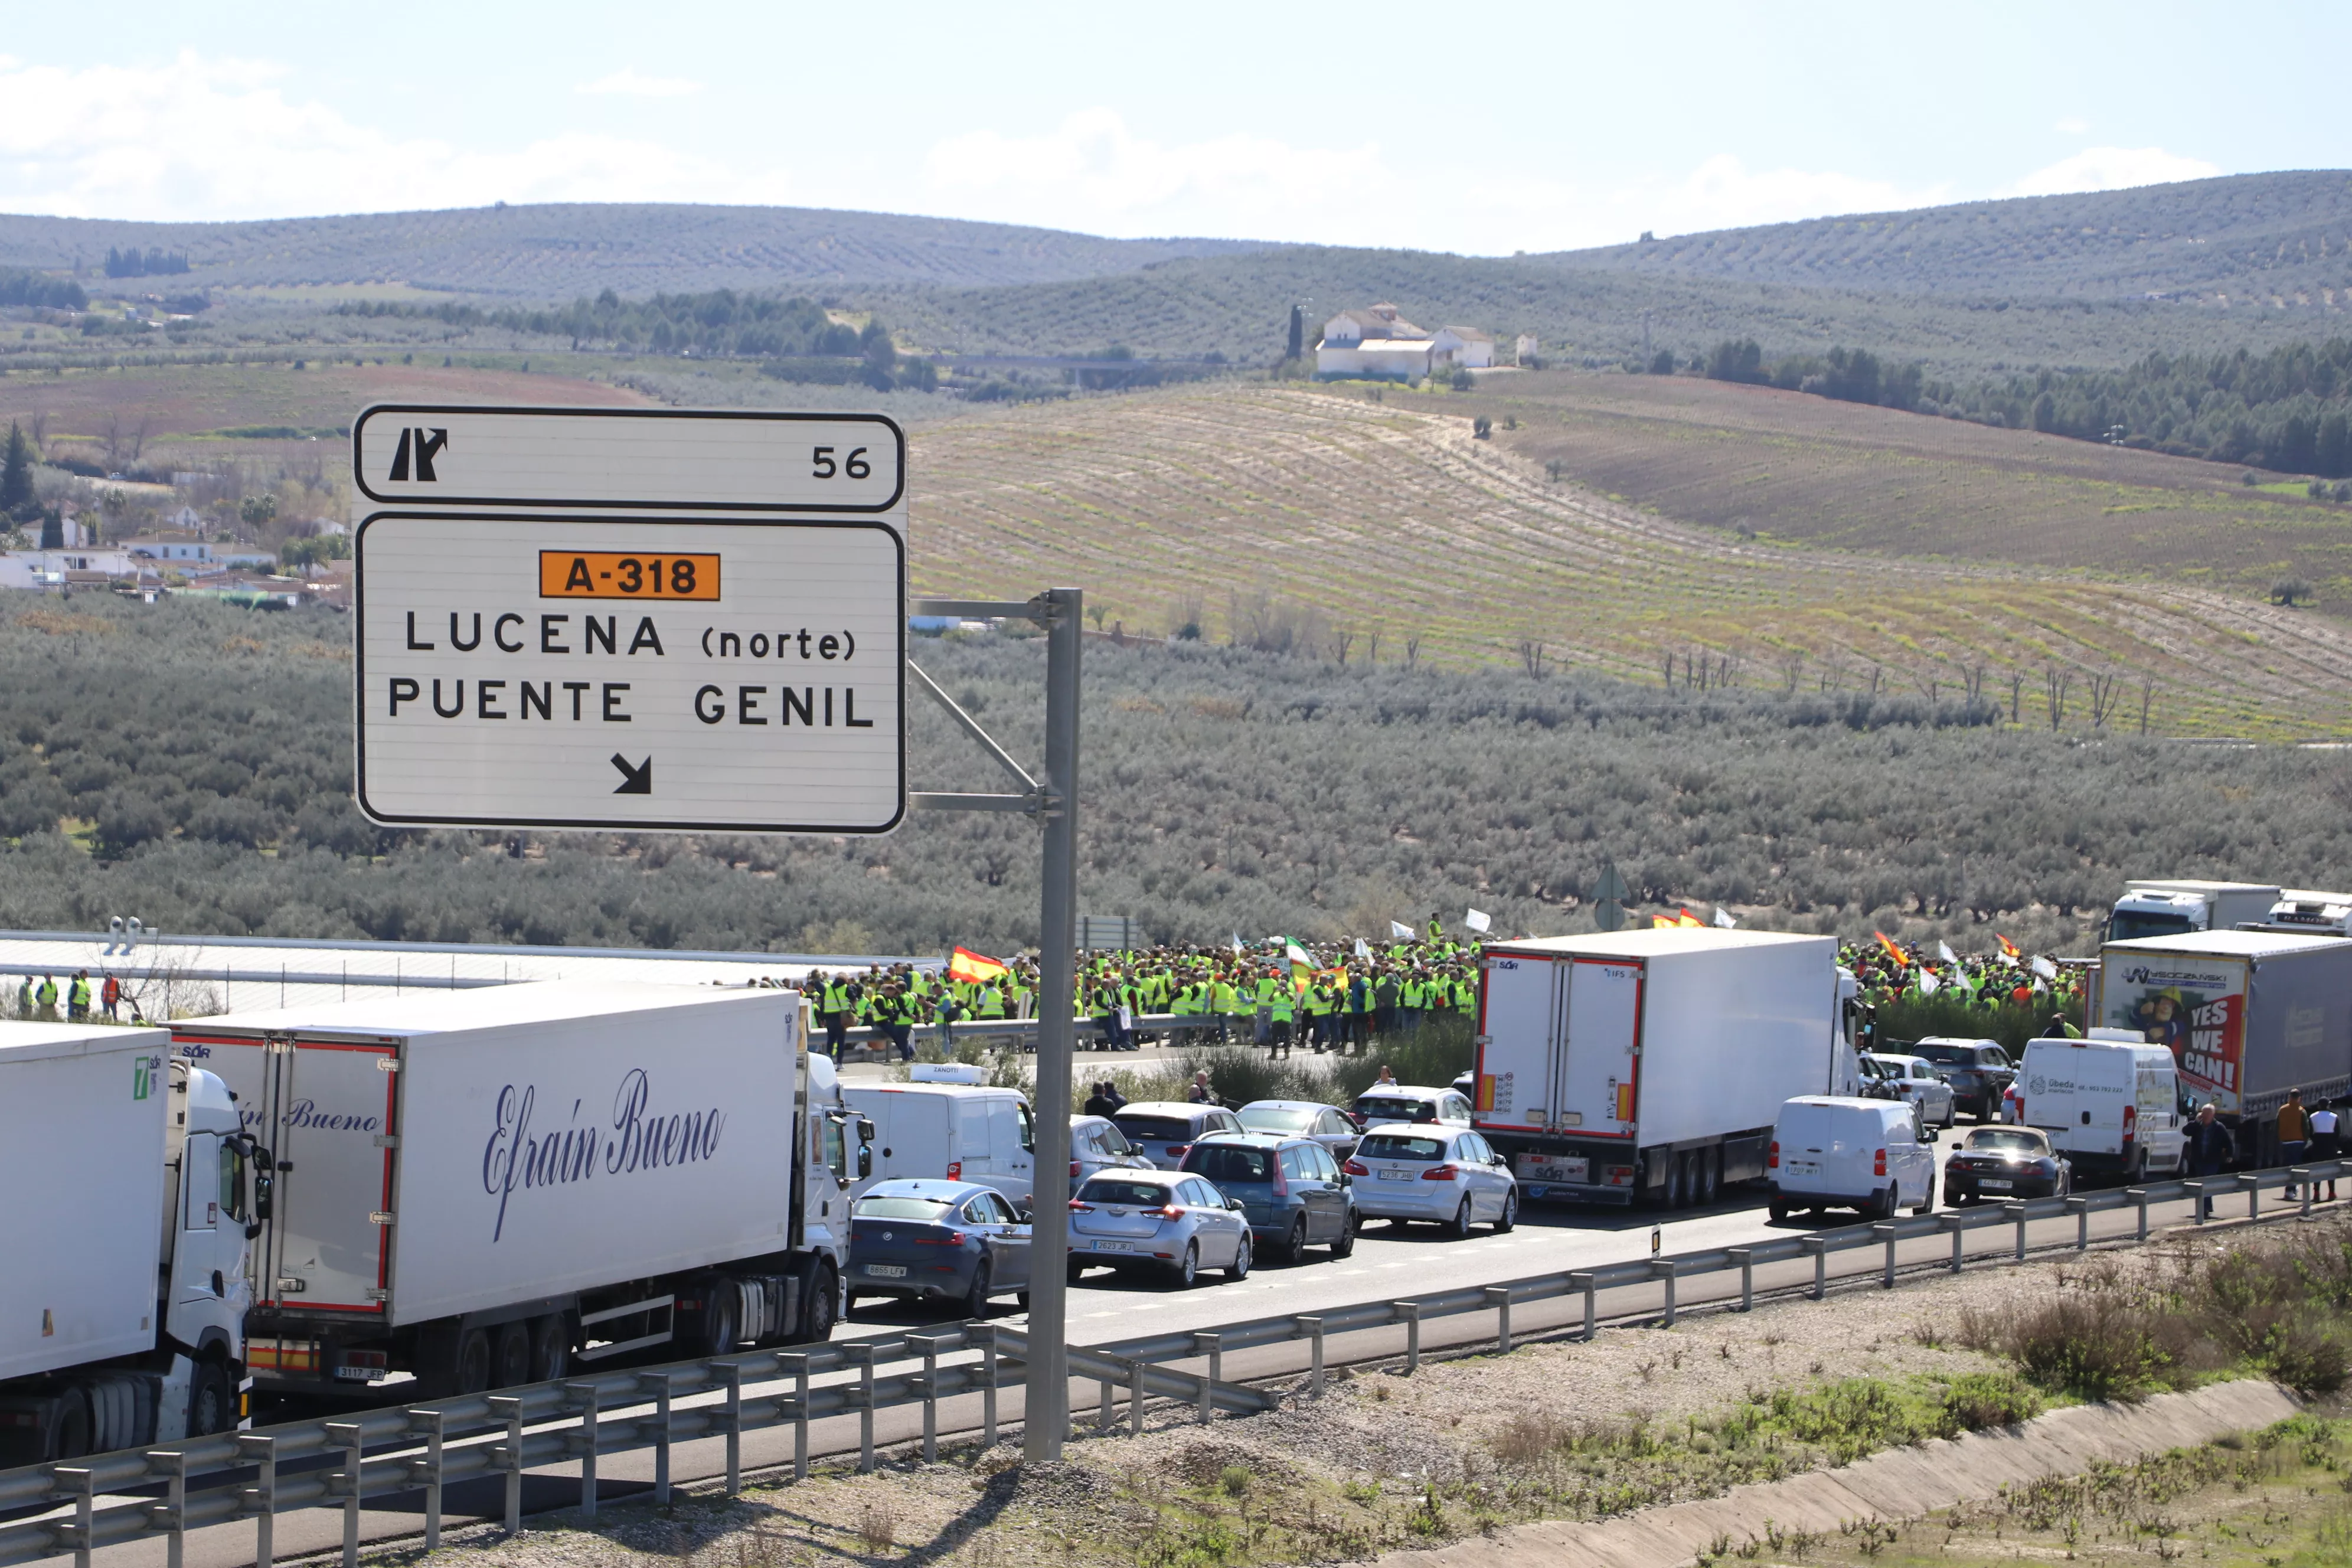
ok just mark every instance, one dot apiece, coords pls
pixel 1976 1400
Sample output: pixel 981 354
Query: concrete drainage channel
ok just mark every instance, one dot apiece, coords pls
pixel 406 1458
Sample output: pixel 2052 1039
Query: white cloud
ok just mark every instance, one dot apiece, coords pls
pixel 626 83
pixel 2111 169
pixel 212 137
pixel 2071 126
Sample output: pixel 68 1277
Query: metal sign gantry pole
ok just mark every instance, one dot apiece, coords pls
pixel 1045 1419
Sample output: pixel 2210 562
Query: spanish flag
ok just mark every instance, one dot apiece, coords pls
pixel 1663 922
pixel 2008 948
pixel 969 965
pixel 1902 959
pixel 1688 918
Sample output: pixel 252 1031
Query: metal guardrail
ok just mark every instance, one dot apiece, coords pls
pixel 325 1463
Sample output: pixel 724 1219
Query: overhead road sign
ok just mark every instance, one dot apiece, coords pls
pixel 646 651
pixel 629 459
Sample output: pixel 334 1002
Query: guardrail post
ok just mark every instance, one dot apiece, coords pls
pixel 1499 1298
pixel 2138 1198
pixel 659 1383
pixel 1584 1282
pixel 429 1423
pixel 2081 1209
pixel 732 1371
pixel 582 1397
pixel 510 1460
pixel 2196 1191
pixel 173 1465
pixel 983 1335
pixel 1817 1247
pixel 930 1345
pixel 1746 1257
pixel 1313 1328
pixel 344 1435
pixel 84 1487
pixel 262 1495
pixel 1105 1407
pixel 1662 1269
pixel 1951 1222
pixel 1135 1397
pixel 2299 1176
pixel 1885 1231
pixel 1213 1347
pixel 797 1366
pixel 2016 1213
pixel 861 1356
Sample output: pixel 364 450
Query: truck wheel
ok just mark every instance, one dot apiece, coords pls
pixel 511 1365
pixel 551 1348
pixel 1711 1182
pixel 69 1429
pixel 721 1331
pixel 817 1315
pixel 472 1363
pixel 212 1403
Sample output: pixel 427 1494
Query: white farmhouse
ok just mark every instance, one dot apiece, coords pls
pixel 1465 346
pixel 1380 342
pixel 1526 349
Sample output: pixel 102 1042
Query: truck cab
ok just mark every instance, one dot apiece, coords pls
pixel 2309 912
pixel 2171 908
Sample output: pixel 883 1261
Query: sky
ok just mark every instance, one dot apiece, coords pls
pixel 1481 129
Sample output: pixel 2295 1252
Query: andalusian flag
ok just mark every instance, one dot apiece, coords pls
pixel 969 965
pixel 1302 962
pixel 1902 959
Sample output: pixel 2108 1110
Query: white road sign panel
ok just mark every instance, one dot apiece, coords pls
pixel 717 673
pixel 749 461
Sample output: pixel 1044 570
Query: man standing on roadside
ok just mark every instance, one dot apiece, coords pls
pixel 2209 1143
pixel 2294 1133
pixel 2324 1144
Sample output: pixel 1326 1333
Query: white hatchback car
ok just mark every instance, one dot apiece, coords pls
pixel 1429 1171
pixel 1922 1083
pixel 1170 1222
pixel 1411 1102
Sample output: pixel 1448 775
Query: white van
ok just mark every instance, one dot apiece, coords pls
pixel 2111 1104
pixel 1831 1152
pixel 950 1132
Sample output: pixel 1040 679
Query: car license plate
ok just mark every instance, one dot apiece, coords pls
pixel 1114 1247
pixel 1555 1168
pixel 1993 1185
pixel 887 1271
pixel 1396 1175
pixel 1804 1167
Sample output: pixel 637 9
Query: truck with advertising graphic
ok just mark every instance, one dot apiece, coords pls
pixel 1651 1066
pixel 2249 1015
pixel 123 1298
pixel 483 1188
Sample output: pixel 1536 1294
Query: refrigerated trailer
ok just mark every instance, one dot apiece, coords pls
pixel 123 1293
pixel 490 1187
pixel 2249 1015
pixel 1649 1066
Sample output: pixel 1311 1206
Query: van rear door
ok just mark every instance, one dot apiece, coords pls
pixel 1520 1009
pixel 1599 1092
pixel 910 1130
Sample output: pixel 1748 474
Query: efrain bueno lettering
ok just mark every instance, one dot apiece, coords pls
pixel 639 1140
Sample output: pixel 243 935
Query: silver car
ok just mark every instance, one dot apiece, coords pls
pixel 1433 1171
pixel 1922 1083
pixel 1411 1102
pixel 1161 1129
pixel 1097 1144
pixel 1166 1222
pixel 1327 1124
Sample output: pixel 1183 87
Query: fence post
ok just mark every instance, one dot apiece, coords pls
pixel 983 1335
pixel 658 1382
pixel 1411 1313
pixel 173 1465
pixel 1817 1249
pixel 1135 1397
pixel 2017 1212
pixel 582 1397
pixel 1313 1328
pixel 262 1495
pixel 1581 1281
pixel 2138 1198
pixel 511 1458
pixel 2081 1209
pixel 2253 1182
pixel 1213 1347
pixel 1499 1298
pixel 77 1476
pixel 2300 1177
pixel 861 1356
pixel 732 1371
pixel 1885 1231
pixel 1106 1410
pixel 2196 1191
pixel 1662 1269
pixel 797 1365
pixel 930 1345
pixel 345 1435
pixel 1746 1257
pixel 1951 1223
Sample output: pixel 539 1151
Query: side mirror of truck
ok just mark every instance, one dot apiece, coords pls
pixel 865 1159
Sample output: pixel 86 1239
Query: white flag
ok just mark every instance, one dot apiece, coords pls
pixel 1363 948
pixel 1723 918
pixel 1944 951
pixel 1399 932
pixel 1477 919
pixel 1237 943
pixel 2044 968
pixel 1929 983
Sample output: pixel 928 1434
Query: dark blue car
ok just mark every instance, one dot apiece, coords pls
pixel 938 1241
pixel 1293 1193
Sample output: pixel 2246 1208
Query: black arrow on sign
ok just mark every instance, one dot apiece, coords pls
pixel 634 780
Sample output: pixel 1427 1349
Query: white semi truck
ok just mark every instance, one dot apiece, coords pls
pixel 485 1188
pixel 1649 1066
pixel 133 1191
pixel 2155 907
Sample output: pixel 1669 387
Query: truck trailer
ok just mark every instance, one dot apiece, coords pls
pixel 486 1188
pixel 1649 1066
pixel 2249 1015
pixel 123 1300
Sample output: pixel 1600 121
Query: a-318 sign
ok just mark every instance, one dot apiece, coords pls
pixel 631 619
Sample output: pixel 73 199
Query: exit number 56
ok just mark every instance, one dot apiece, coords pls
pixel 822 465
